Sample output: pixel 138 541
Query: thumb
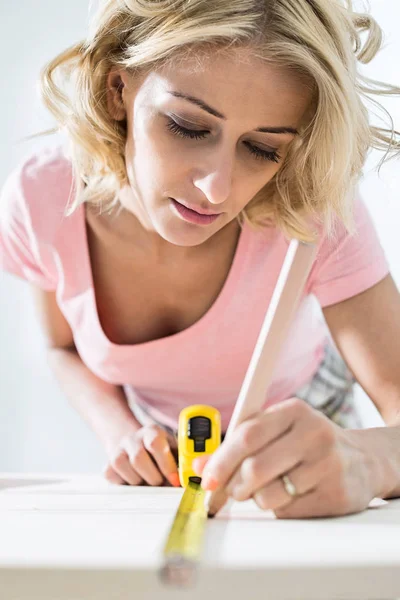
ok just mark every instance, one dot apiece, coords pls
pixel 199 464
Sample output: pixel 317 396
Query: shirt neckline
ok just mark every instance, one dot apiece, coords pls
pixel 220 304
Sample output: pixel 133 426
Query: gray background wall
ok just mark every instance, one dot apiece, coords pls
pixel 38 430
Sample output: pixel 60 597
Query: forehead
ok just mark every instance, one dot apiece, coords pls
pixel 237 83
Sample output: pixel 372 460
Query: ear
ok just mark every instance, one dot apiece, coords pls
pixel 117 80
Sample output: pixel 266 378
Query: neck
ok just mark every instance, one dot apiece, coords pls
pixel 121 226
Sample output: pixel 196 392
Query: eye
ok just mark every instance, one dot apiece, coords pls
pixel 194 134
pixel 263 154
pixel 199 134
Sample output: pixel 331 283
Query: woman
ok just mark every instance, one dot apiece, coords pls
pixel 203 136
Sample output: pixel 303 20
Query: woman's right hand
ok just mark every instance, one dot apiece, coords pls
pixel 144 457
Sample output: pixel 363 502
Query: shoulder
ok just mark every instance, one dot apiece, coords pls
pixel 348 262
pixel 36 194
pixel 342 241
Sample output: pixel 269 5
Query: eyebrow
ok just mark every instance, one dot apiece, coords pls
pixel 212 111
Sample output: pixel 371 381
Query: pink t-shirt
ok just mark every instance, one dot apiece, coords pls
pixel 205 363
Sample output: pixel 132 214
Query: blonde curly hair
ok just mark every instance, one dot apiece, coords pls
pixel 319 39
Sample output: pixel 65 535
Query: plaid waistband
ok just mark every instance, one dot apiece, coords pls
pixel 331 390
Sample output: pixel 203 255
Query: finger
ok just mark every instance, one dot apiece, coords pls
pixel 332 497
pixel 155 440
pixel 123 468
pixel 112 476
pixel 141 462
pixel 172 441
pixel 199 464
pixel 249 437
pixel 313 504
pixel 305 478
pixel 319 434
pixel 272 496
pixel 263 468
pixel 286 456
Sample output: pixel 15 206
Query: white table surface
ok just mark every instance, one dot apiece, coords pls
pixel 68 537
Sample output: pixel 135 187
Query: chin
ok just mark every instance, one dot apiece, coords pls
pixel 184 236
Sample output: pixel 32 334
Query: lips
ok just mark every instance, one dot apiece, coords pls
pixel 192 215
pixel 196 209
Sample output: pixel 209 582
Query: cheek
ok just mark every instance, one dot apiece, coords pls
pixel 156 160
pixel 250 184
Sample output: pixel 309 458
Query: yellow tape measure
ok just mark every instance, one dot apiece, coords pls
pixel 199 434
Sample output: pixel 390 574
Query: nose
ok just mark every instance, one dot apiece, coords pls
pixel 215 178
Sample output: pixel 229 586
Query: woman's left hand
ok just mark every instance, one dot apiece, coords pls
pixel 329 467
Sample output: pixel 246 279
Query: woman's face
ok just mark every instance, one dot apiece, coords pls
pixel 205 137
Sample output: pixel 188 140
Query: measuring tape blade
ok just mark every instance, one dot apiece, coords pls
pixel 199 434
pixel 184 543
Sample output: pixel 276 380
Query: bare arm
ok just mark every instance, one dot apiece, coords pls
pixel 102 405
pixel 366 329
pixel 137 454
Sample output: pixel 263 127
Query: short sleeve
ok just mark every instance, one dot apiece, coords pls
pixel 20 248
pixel 348 263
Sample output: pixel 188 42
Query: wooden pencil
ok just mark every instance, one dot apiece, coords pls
pixel 285 299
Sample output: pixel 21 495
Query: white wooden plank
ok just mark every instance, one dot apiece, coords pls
pixel 75 537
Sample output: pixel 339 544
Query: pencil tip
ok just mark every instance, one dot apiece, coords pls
pixel 210 515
